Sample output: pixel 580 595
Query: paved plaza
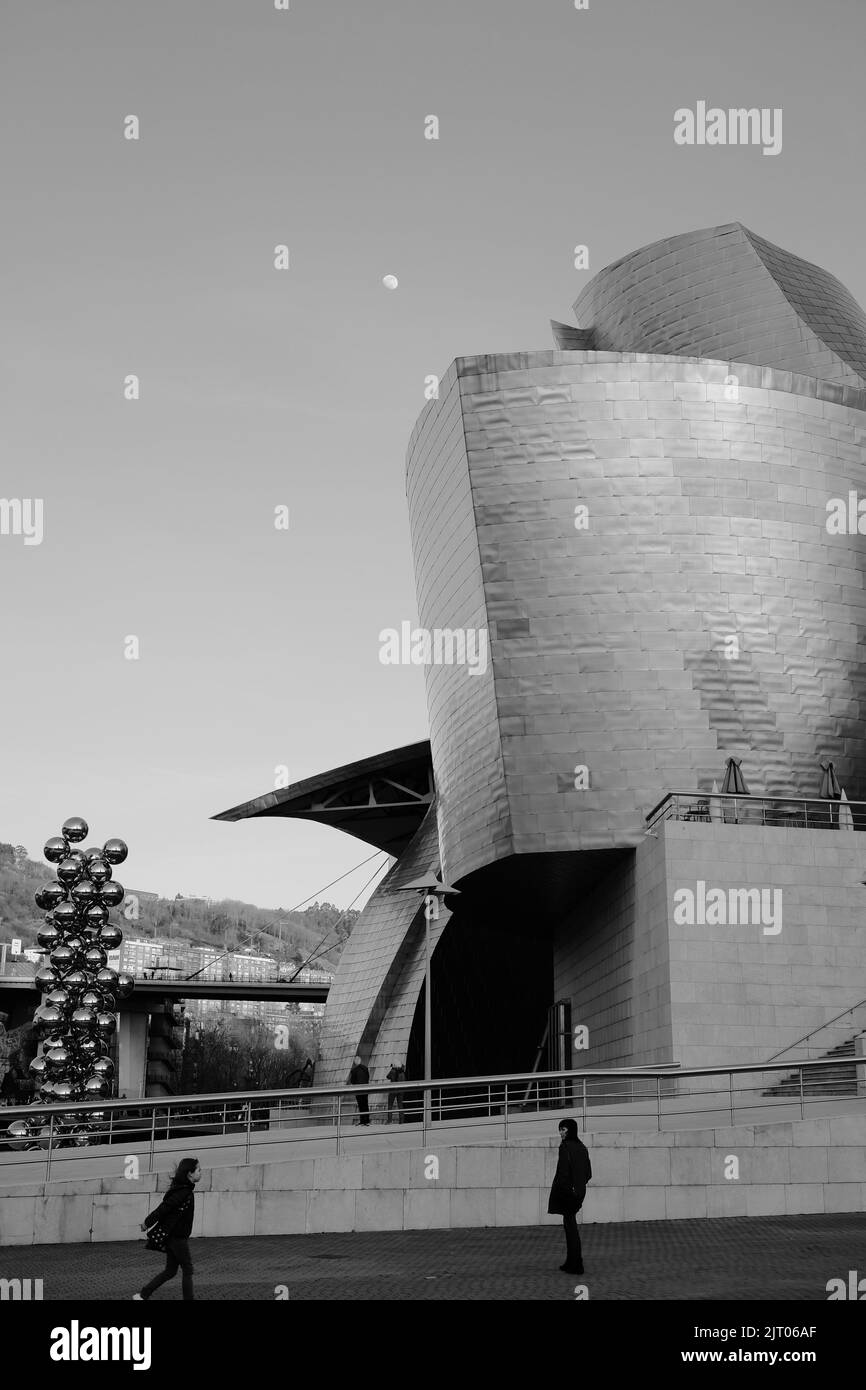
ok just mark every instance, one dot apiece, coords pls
pixel 743 1259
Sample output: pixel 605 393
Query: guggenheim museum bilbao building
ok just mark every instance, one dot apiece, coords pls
pixel 656 527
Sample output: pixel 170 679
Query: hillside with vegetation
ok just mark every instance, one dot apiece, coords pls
pixel 318 931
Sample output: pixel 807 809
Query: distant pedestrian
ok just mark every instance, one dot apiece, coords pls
pixel 4 1046
pixel 17 1087
pixel 395 1098
pixel 175 1215
pixel 360 1076
pixel 573 1172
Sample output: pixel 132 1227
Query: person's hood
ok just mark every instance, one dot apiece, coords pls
pixel 571 1126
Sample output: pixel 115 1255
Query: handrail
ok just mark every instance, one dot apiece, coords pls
pixel 499 1099
pixel 444 1083
pixel 751 796
pixel 819 1029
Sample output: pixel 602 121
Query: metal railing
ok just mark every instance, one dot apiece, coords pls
pixel 463 1109
pixel 786 812
pixel 851 1031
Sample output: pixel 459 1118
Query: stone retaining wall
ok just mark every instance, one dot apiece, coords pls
pixel 801 1166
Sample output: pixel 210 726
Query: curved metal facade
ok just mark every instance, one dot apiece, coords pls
pixel 639 526
pixel 705 611
pixel 724 292
pixel 372 1000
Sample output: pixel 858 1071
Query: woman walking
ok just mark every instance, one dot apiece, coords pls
pixel 573 1172
pixel 175 1214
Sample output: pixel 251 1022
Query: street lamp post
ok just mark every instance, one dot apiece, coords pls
pixel 433 890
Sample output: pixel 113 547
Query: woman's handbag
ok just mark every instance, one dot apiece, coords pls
pixel 159 1234
pixel 157 1239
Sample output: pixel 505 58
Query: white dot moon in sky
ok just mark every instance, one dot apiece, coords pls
pixel 390 282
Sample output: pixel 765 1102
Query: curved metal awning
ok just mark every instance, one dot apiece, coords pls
pixel 381 800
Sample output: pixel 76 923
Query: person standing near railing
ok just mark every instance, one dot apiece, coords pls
pixel 360 1076
pixel 395 1098
pixel 4 1046
pixel 573 1172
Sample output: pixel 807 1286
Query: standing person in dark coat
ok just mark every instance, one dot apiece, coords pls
pixel 573 1172
pixel 175 1212
pixel 17 1086
pixel 395 1098
pixel 360 1076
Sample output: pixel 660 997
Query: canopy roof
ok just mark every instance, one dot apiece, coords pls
pixel 381 800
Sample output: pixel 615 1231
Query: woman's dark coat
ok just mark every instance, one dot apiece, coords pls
pixel 176 1210
pixel 573 1172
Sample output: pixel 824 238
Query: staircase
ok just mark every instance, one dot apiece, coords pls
pixel 829 1081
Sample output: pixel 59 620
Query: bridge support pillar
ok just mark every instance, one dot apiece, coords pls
pixel 132 1055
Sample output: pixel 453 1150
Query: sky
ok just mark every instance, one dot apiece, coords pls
pixel 258 648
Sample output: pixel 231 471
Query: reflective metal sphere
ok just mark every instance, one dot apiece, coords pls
pixel 91 999
pixel 94 958
pixel 56 849
pixel 115 851
pixel 84 1020
pixel 63 957
pixel 75 980
pixel 46 978
pixel 103 1066
pixel 68 872
pixel 84 892
pixel 98 869
pixel 96 915
pixel 38 1069
pixel 49 937
pixel 66 916
pixel 109 979
pixel 64 1090
pixel 106 1024
pixel 51 894
pixel 47 1016
pixel 58 1061
pixel 112 893
pixel 60 998
pixel 75 829
pixel 96 1085
pixel 77 858
pixel 125 984
pixel 110 937
pixel 19 1130
pixel 93 852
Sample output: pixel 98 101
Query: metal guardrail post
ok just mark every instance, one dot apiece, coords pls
pixel 339 1117
pixel 802 1097
pixel 152 1136
pixel 584 1102
pixel 249 1108
pixel 659 1101
pixel 731 1091
pixel 50 1146
pixel 505 1111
